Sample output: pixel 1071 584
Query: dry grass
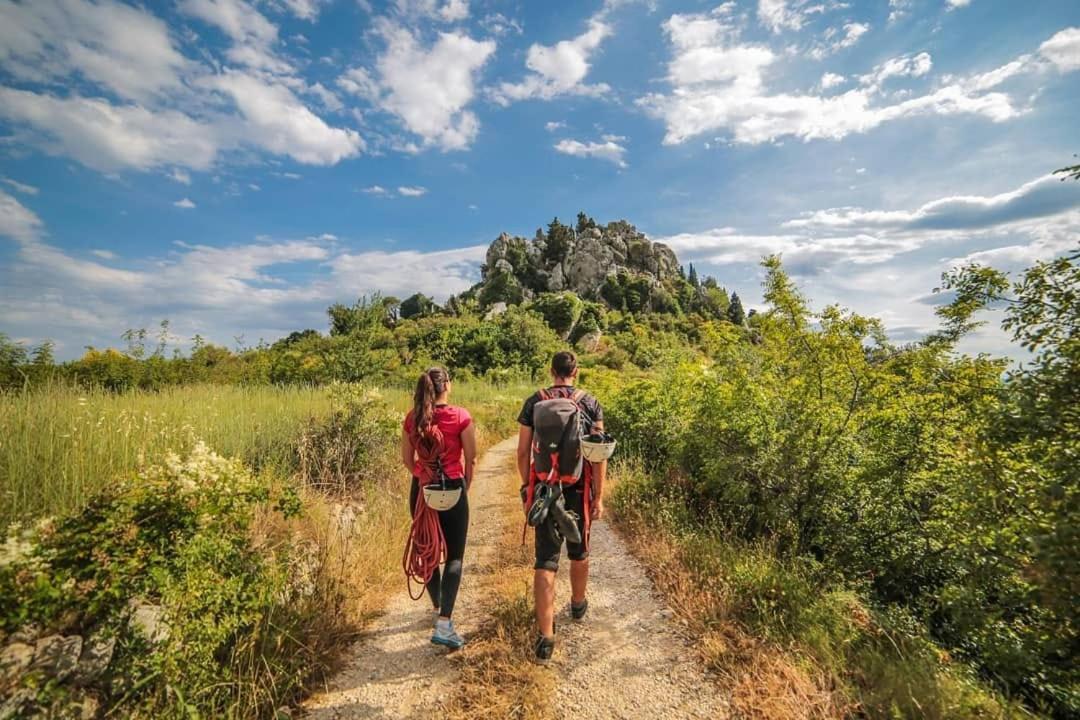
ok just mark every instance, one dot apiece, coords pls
pixel 764 681
pixel 497 678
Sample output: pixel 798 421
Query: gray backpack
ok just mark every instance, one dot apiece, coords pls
pixel 557 427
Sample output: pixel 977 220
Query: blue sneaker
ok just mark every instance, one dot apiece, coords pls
pixel 446 636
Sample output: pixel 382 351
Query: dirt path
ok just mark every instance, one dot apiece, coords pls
pixel 624 661
pixel 395 671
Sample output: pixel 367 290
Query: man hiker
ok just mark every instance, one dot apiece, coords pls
pixel 561 489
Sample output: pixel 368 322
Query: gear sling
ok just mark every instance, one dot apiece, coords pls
pixel 556 448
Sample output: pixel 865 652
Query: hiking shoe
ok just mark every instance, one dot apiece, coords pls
pixel 543 497
pixel 566 520
pixel 446 636
pixel 578 611
pixel 545 648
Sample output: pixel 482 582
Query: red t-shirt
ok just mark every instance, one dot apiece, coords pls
pixel 452 420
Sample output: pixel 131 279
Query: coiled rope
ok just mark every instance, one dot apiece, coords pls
pixel 425 548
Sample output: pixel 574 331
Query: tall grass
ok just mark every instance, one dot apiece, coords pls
pixel 60 444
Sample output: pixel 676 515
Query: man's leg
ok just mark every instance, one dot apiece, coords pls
pixel 548 550
pixel 577 552
pixel 544 597
pixel 579 580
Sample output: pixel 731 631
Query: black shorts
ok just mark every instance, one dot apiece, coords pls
pixel 549 541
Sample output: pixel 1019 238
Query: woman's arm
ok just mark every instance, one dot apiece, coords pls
pixel 468 446
pixel 407 452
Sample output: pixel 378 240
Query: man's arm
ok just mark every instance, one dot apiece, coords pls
pixel 599 471
pixel 524 452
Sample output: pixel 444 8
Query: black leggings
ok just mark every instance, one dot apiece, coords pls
pixel 443 587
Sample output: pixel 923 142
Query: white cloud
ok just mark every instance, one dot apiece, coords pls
pixel 498 25
pixel 552 125
pixel 835 40
pixel 185 203
pixel 277 121
pixel 375 190
pixel 778 15
pixel 718 84
pixel 124 49
pixel 412 191
pixel 214 291
pixel 1043 197
pixel 831 80
pixel 305 9
pixel 20 187
pixel 454 10
pixel 953 4
pixel 1063 50
pixel 558 69
pixel 903 66
pixel 16 221
pixel 103 254
pixel 609 150
pixel 107 137
pixel 438 274
pixel 427 88
pixel 448 11
pixel 898 9
pixel 181 176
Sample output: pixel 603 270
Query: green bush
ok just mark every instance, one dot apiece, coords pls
pixel 173 544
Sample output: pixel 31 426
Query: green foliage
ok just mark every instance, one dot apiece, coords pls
pixel 584 222
pixel 502 287
pixel 561 311
pixel 175 538
pixel 920 477
pixel 559 240
pixel 417 305
pixel 735 313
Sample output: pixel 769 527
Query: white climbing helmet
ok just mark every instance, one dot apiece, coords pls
pixel 597 448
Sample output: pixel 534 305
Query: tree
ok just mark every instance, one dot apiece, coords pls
pixel 418 305
pixel 693 278
pixel 1073 171
pixel 584 222
pixel 561 311
pixel 735 312
pixel 559 239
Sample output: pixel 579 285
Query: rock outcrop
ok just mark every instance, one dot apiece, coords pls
pixel 577 261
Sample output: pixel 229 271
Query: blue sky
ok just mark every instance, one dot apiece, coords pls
pixel 236 166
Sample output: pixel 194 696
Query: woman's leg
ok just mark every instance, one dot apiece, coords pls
pixel 433 585
pixel 455 525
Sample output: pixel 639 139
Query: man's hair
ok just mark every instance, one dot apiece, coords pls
pixel 563 364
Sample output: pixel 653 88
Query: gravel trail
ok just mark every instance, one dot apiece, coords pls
pixel 625 660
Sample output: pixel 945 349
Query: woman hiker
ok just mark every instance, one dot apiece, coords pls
pixel 438 446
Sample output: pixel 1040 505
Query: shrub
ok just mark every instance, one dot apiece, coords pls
pixel 203 621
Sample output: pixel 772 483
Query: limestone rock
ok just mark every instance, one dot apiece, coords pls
pixel 149 620
pixel 57 655
pixel 590 342
pixel 96 655
pixel 14 660
pixel 590 257
pixel 495 310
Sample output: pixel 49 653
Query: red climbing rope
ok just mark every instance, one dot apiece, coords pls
pixel 425 549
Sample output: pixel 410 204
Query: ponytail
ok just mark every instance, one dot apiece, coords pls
pixel 426 435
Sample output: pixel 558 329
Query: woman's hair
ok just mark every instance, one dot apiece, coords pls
pixel 429 387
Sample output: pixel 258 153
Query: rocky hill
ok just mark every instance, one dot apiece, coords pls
pixel 594 262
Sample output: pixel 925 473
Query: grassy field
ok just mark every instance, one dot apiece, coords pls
pixel 267 573
pixel 59 444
